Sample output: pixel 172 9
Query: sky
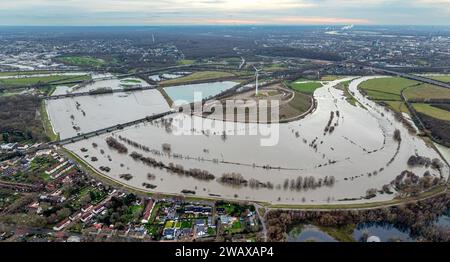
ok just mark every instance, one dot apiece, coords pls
pixel 224 12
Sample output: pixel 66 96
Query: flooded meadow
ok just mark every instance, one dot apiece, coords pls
pixel 333 155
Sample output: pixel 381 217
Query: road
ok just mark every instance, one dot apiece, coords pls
pixel 407 76
pixel 262 217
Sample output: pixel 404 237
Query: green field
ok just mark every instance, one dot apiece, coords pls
pixel 443 78
pixel 377 95
pixel 330 78
pixel 18 73
pixel 308 87
pixel 427 91
pixel 432 111
pixel 30 81
pixel 198 76
pixel 82 61
pixel 397 106
pixel 340 233
pixel 185 62
pixel 274 67
pixel 388 88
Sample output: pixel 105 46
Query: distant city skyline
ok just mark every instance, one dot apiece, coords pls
pixel 224 12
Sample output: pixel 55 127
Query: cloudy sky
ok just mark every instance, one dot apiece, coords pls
pixel 223 12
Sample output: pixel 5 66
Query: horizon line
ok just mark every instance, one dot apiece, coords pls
pixel 221 25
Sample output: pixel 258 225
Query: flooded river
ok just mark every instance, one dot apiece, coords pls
pixel 360 153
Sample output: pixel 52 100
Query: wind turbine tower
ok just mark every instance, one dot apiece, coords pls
pixel 256 76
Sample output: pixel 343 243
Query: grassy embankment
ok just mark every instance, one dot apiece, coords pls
pixel 46 123
pixel 302 100
pixel 380 204
pixel 344 86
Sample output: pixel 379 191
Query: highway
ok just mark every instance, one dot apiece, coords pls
pixel 407 76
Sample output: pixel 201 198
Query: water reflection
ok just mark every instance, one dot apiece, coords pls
pixel 384 231
pixel 309 233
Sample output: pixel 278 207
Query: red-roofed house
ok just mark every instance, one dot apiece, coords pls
pixel 148 211
pixel 61 225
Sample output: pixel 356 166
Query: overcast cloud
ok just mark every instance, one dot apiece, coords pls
pixel 217 12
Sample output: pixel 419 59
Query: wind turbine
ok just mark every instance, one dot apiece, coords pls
pixel 256 75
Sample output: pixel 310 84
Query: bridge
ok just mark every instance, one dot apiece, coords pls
pixel 99 92
pixel 107 130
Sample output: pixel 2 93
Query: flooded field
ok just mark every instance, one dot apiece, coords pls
pixel 71 116
pixel 358 153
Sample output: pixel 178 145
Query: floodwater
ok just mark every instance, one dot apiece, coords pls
pixel 90 113
pixel 386 232
pixel 186 92
pixel 362 142
pixel 309 233
pixel 112 83
pixel 43 75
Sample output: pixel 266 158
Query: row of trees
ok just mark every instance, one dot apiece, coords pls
pixel 173 168
pixel 113 143
pixel 310 182
pixel 417 217
pixel 416 160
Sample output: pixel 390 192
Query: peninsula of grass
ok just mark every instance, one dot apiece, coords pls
pixel 348 96
pixel 46 123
